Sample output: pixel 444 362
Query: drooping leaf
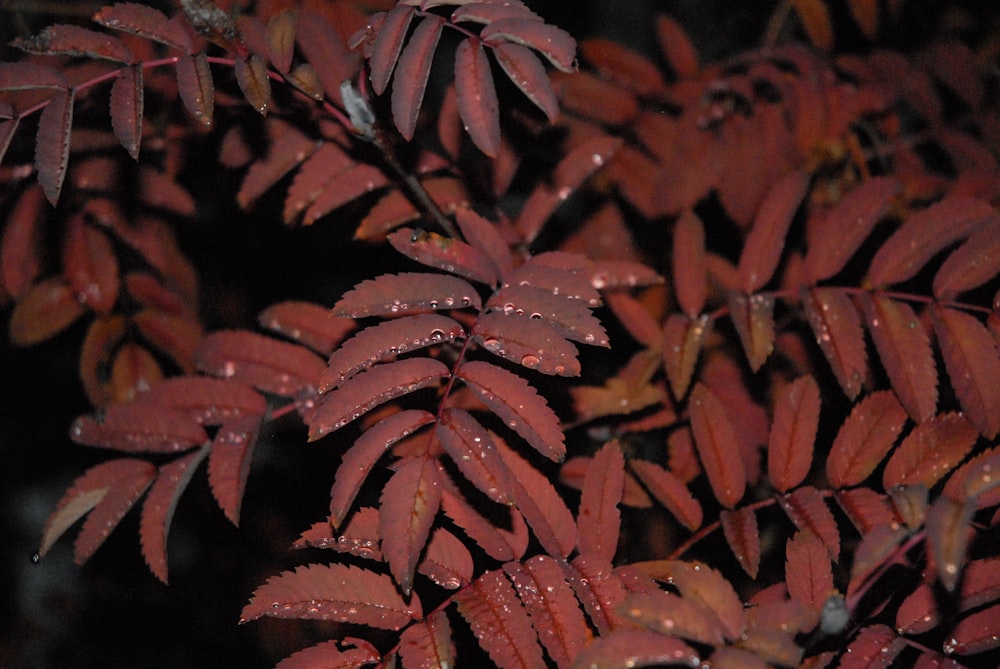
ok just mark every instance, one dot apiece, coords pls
pixel 790 447
pixel 428 644
pixel 144 21
pixel 409 502
pixel 669 491
pixel 267 364
pixel 805 507
pixel 452 255
pixel 526 71
pixel 709 588
pixel 385 341
pixel 176 336
pixel 637 648
pixel 396 209
pixel 471 448
pixel 864 439
pixel 52 143
pixel 229 462
pixel 948 534
pixel 764 245
pixel 910 503
pixel 195 86
pixel 636 319
pixel 499 621
pixel 973 364
pixel 499 544
pixel 930 451
pixel 127 108
pixel 333 592
pixel 532 343
pixel 718 448
pixel 133 370
pixel 808 573
pixel 742 535
pixel 388 45
pixel 70 40
pixel 104 336
pixel 623 65
pixel 683 337
pixel 485 236
pixel 477 97
pixel 976 633
pixel 837 327
pixel 690 269
pixel 599 519
pixel 325 51
pixel 573 319
pixel 399 294
pixel 875 646
pixel 158 509
pixel 364 392
pixel 310 324
pixel 280 35
pixel 516 403
pixel 972 264
pixel 905 351
pixel 139 427
pixel 554 43
pixel 328 162
pixel 753 316
pixel 866 14
pixel 976 479
pixel 412 72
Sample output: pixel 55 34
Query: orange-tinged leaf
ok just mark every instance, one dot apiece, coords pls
pixel 676 46
pixel 409 502
pixel 388 44
pixel 669 491
pixel 102 339
pixel 636 648
pixel 229 462
pixel 398 294
pixel 176 336
pixel 930 451
pixel 133 370
pixel 910 503
pixel 805 507
pixel 690 269
pixel 553 42
pixel 52 143
pixel 740 529
pixel 636 319
pixel 790 447
pixel 477 96
pixel 837 327
pixel 948 534
pixel 363 392
pixel 281 39
pixel 127 108
pixel 864 439
pixel 412 72
pixel 267 364
pixel 526 71
pixel 973 364
pixel 552 607
pixel 599 519
pixel 815 18
pixel 905 351
pixel 683 337
pixel 194 83
pixel 471 448
pixel 764 245
pixel 701 584
pixel 427 643
pixel 808 572
pixel 866 15
pixel 499 621
pixel 451 255
pixel 158 509
pixel 753 316
pixel 718 448
pixel 977 479
pixel 46 309
pixel 541 505
pixel 972 264
pixel 333 592
pixel 976 633
pixel 90 265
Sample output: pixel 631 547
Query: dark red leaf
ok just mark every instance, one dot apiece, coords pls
pixel 526 71
pixel 683 337
pixel 980 582
pixel 972 264
pixel 636 648
pixel 876 547
pixel 127 108
pixel 930 451
pixel 842 230
pixel 670 492
pixel 623 66
pixel 26 75
pixel 790 447
pixel 427 643
pixel 499 621
pixel 207 400
pixel 874 647
pixel 158 509
pixel 485 236
pixel 289 148
pixel 194 83
pixel 451 255
pixel 806 508
pixel 690 270
pixel 561 273
pixel 363 392
pixel 333 592
pixel 399 294
pixel 310 324
pixel 477 96
pixel 412 72
pixel 973 364
pixel 319 43
pixel 718 448
pixel 918 613
pixel 905 351
pixel 90 265
pixel 600 589
pixel 139 427
pixel 46 309
pixel 516 403
pixel 327 655
pixel 499 544
pixel 864 439
pixel 471 448
pixel 281 29
pixel 388 44
pixel 229 463
pixel 264 363
pixel 764 245
pixel 532 343
pixel 808 573
pixel 948 534
pixel 572 318
pixel 396 208
pixel 52 143
pixel 976 633
pixel 837 327
pixel 753 316
pixel 70 40
pixel 176 336
pixel 924 235
pixel 667 613
pixel 326 163
pixel 343 187
pixel 599 519
pixel 409 502
pixel 144 21
pixel 553 42
pixel 487 12
pixel 743 537
pixel 21 244
pixel 447 561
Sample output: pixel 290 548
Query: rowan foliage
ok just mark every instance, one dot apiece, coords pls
pixel 672 362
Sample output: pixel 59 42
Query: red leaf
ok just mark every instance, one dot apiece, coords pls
pixel 264 363
pixel 805 507
pixel 701 584
pixel 842 230
pixel 977 479
pixel 21 244
pixel 104 336
pixel 139 427
pixel 289 148
pixel 923 236
pixel 623 66
pixel 683 337
pixel 930 451
pixel 412 73
pixel 875 646
pixel 554 43
pixel 206 400
pixel 918 613
pixel 808 573
pixel 45 310
pixel 450 255
pixel 158 509
pixel 667 613
pixel 553 609
pixel 229 463
pixel 864 439
pixel 327 655
pixel 541 505
pixel 90 265
pixel 977 633
pixel 399 294
pixel 427 643
pixel 571 318
pixel 144 21
pixel 488 12
pixel 281 30
pixel 26 76
pixel 905 351
pixel 636 648
pixel 127 108
pixel 319 43
pixel 52 144
pixel 70 40
pixel 344 187
pixel 384 342
pixel 676 47
pixel 362 393
pixel 948 534
pixel 599 518
pixel 194 83
pixel 526 71
pixel 743 537
pixel 176 336
pixel 973 364
pixel 326 163
pixel 837 326
pixel 718 448
pixel 690 269
pixel 309 324
pixel 670 492
pixel 753 316
pixel 485 236
pixel 561 273
pixel 766 241
pixel 99 489
pixel 447 561
pixel 333 592
pixel 500 622
pixel 133 370
pixel 477 97
pixel 471 448
pixel 617 274
pixel 636 319
pixel 388 44
pixel 532 343
pixel 409 502
pixel 396 209
pixel 600 589
pixel 516 403
pixel 972 264
pixel 790 447
pixel 499 544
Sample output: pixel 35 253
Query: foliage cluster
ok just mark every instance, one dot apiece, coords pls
pixel 679 363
